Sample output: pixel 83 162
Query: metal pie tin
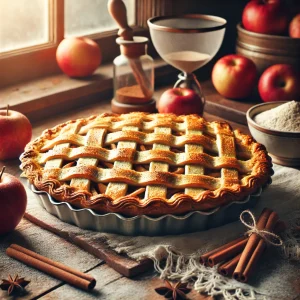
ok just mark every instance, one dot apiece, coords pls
pixel 145 225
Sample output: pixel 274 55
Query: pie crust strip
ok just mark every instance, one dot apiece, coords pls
pixel 193 169
pixel 95 138
pixel 57 163
pixel 226 145
pixel 116 190
pixel 158 190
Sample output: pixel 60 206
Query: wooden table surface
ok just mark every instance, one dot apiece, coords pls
pixel 110 284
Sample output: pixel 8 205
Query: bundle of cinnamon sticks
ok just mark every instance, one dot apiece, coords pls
pixel 239 257
pixel 51 267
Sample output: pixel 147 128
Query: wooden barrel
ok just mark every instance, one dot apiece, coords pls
pixel 266 50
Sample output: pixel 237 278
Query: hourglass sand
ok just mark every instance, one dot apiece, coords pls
pixel 187 42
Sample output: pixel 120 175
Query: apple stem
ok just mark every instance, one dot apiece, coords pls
pixel 7 107
pixel 2 171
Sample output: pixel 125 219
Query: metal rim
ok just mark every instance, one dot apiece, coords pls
pixel 250 115
pixel 143 224
pixel 151 23
pixel 264 36
pixel 257 193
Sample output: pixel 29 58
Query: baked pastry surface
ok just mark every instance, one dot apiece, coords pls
pixel 152 164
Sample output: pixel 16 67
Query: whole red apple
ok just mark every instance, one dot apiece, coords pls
pixel 278 83
pixel 180 101
pixel 294 28
pixel 15 133
pixel 266 16
pixel 13 201
pixel 78 56
pixel 234 76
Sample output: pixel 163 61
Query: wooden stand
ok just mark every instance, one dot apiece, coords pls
pixel 124 108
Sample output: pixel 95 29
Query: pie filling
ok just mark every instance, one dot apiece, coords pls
pixel 152 164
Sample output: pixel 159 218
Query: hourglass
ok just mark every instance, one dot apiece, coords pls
pixel 187 43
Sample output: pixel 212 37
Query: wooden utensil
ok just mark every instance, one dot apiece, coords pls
pixel 129 47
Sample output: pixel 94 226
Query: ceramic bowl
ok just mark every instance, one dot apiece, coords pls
pixel 283 147
pixel 266 50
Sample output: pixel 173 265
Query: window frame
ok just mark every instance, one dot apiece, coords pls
pixel 18 64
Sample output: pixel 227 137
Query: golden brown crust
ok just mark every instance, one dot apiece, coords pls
pixel 218 165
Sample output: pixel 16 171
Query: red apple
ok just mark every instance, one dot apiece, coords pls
pixel 278 83
pixel 234 76
pixel 13 201
pixel 266 16
pixel 15 133
pixel 78 56
pixel 180 101
pixel 294 28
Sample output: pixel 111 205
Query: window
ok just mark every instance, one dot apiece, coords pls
pixel 85 17
pixel 31 30
pixel 23 24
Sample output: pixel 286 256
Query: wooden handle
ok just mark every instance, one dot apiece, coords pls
pixel 117 10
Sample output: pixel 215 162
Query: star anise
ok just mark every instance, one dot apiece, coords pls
pixel 13 285
pixel 177 291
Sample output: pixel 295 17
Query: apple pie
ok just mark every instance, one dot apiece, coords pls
pixel 150 164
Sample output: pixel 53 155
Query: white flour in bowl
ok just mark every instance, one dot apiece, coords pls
pixel 285 117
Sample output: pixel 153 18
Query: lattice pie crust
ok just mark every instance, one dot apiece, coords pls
pixel 151 164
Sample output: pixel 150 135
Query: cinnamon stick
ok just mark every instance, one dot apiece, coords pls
pixel 259 249
pixel 227 253
pixel 204 258
pixel 249 255
pixel 227 268
pixel 53 268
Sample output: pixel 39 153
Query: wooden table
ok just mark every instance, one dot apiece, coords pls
pixel 110 284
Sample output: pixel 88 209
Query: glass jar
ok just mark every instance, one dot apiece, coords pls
pixel 133 72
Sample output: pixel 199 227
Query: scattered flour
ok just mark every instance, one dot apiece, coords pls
pixel 285 117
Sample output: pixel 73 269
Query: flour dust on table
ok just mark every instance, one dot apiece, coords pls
pixel 177 257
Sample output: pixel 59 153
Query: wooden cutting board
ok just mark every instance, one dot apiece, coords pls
pixel 84 239
pixel 122 264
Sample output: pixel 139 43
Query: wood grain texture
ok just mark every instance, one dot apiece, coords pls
pixel 113 287
pixel 122 264
pixel 41 241
pixel 56 94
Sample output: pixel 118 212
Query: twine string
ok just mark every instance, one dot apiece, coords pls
pixel 269 237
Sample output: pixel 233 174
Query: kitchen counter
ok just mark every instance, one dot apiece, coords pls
pixel 110 284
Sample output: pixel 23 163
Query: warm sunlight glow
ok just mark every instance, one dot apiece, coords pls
pixel 23 23
pixel 83 17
